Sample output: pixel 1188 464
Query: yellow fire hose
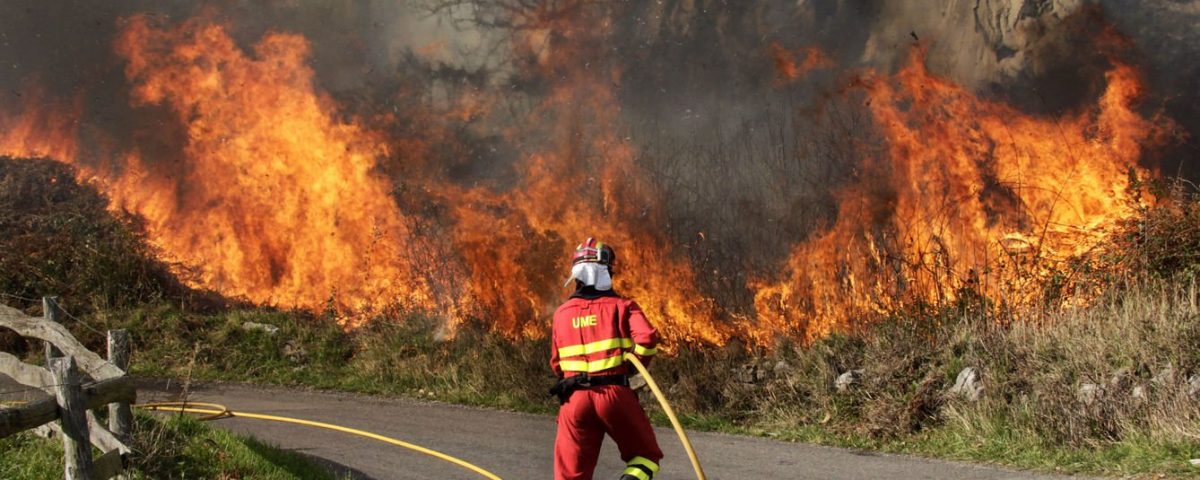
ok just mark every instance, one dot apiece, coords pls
pixel 215 411
pixel 662 400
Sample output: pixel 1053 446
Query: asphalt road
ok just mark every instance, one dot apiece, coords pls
pixel 519 446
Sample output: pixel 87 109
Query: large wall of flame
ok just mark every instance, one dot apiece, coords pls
pixel 278 201
pixel 359 154
pixel 970 196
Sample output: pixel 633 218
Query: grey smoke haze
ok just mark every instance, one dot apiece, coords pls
pixel 688 64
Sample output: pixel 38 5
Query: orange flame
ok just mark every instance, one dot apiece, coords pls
pixel 280 199
pixel 586 184
pixel 786 67
pixel 42 127
pixel 972 194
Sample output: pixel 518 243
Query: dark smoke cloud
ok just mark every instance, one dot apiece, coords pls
pixel 363 53
pixel 689 65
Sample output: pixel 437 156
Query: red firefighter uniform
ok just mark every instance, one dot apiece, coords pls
pixel 591 333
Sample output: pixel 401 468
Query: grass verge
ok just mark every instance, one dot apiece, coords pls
pixel 168 447
pixel 1133 350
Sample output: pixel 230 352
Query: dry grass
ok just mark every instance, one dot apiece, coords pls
pixel 1141 340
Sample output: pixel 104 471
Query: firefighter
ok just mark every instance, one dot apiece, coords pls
pixel 592 331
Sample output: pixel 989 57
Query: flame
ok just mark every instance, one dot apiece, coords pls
pixel 971 194
pixel 786 68
pixel 584 184
pixel 276 200
pixel 42 128
pixel 280 198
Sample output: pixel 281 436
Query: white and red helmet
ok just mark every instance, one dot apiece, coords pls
pixel 592 250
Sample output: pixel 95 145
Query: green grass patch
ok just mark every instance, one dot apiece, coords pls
pixel 168 447
pixel 387 357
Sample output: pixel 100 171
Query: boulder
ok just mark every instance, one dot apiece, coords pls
pixel 294 352
pixel 1090 393
pixel 847 380
pixel 636 382
pixel 1139 394
pixel 1193 386
pixel 968 385
pixel 1121 379
pixel 1164 377
pixel 260 327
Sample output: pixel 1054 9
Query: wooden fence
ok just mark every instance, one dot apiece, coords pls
pixel 78 382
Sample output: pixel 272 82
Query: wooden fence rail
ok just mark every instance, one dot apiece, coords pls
pixel 77 381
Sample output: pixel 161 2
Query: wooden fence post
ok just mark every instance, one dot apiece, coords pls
pixel 51 313
pixel 77 447
pixel 120 416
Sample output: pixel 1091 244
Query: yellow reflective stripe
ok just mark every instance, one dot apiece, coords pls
pixel 589 348
pixel 646 462
pixel 637 473
pixel 643 351
pixel 573 365
pixel 592 366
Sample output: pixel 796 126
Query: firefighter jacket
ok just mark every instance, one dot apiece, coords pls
pixel 594 329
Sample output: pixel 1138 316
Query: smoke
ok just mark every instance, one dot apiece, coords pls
pixel 63 53
pixel 690 68
pixel 751 164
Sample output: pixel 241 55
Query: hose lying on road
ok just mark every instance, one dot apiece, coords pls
pixel 662 400
pixel 213 411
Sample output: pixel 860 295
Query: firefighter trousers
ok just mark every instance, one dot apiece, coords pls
pixel 587 416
